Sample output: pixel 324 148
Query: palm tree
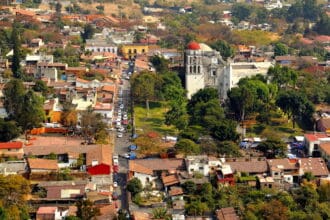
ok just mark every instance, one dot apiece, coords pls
pixel 160 213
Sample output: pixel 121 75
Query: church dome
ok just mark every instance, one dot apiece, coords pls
pixel 193 46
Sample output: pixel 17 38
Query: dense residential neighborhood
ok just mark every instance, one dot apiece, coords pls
pixel 175 110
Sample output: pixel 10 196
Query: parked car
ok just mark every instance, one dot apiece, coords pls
pixel 121 129
pixel 121 106
pixel 125 117
pixel 119 135
pixel 115 184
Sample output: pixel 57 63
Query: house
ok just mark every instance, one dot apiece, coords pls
pixel 202 164
pixel 69 151
pixel 286 60
pixel 267 182
pixel 323 125
pixel 52 110
pixel 105 109
pixel 325 152
pixel 251 167
pixel 130 51
pixel 313 140
pixel 64 190
pixel 36 43
pixel 291 170
pixel 149 170
pixel 98 160
pixel 225 175
pixel 12 149
pixel 37 165
pixel 100 45
pixel 12 168
pixel 51 213
pixel 228 213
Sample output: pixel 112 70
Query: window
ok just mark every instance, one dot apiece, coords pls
pixel 198 69
pixel 135 51
pixel 143 51
pixel 192 170
pixel 190 69
pixel 201 168
pixel 194 69
pixel 214 73
pixel 129 51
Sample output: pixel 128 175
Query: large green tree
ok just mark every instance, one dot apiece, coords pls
pixel 295 105
pixel 13 193
pixel 144 87
pixel 16 41
pixel 8 130
pixel 224 48
pixel 187 147
pixel 24 107
pixel 134 186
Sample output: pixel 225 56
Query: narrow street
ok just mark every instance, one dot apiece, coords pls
pixel 122 143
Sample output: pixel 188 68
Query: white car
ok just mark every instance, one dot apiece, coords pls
pixel 121 106
pixel 119 135
pixel 126 155
pixel 125 117
pixel 121 129
pixel 118 119
pixel 115 184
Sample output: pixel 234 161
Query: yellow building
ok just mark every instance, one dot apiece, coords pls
pixel 130 51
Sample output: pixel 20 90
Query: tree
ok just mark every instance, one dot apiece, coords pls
pixel 26 108
pixel 40 86
pixel 86 210
pixel 160 213
pixel 13 193
pixel 196 208
pixel 88 32
pixel 283 76
pixel 225 131
pixel 280 49
pixel 8 130
pixel 272 148
pixel 58 8
pixel 144 87
pixel 16 66
pixel 295 105
pixel 241 11
pixel 134 186
pixel 160 63
pixel 93 127
pixel 189 187
pixel 69 116
pixel 32 112
pixel 224 48
pixel 323 25
pixel 241 100
pixel 187 147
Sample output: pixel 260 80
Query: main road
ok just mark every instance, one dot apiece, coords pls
pixel 121 144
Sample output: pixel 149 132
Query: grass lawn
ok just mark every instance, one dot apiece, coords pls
pixel 282 128
pixel 154 121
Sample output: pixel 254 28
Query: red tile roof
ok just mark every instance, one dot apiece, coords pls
pixel 325 147
pixel 46 210
pixel 42 164
pixel 314 137
pixel 11 145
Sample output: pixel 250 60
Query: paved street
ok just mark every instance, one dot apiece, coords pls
pixel 121 144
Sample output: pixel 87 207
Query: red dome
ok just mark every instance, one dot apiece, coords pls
pixel 193 46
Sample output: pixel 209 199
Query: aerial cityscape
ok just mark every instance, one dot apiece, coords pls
pixel 172 110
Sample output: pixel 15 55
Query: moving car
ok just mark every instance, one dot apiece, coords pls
pixel 115 184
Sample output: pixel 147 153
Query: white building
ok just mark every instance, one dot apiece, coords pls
pixel 204 66
pixel 233 72
pixel 100 45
